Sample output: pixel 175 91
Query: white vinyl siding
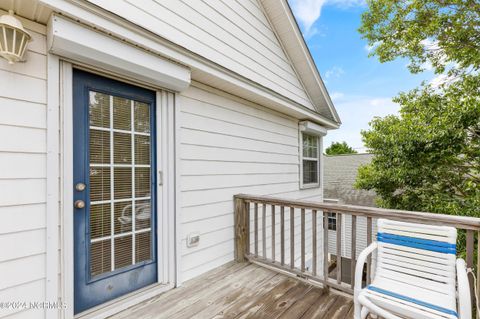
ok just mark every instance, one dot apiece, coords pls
pixel 232 33
pixel 347 236
pixel 230 146
pixel 361 235
pixel 23 97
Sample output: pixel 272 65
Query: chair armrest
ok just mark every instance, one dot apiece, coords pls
pixel 464 298
pixel 359 267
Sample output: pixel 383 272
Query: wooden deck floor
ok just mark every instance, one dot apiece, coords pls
pixel 243 291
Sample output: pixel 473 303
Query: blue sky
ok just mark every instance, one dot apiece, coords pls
pixel 361 87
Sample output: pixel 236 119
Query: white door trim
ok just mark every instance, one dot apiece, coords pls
pixel 166 227
pixel 166 231
pixel 53 189
pixel 66 173
pixel 176 167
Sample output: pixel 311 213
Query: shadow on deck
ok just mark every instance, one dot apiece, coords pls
pixel 244 290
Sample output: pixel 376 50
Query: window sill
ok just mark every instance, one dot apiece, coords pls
pixel 307 186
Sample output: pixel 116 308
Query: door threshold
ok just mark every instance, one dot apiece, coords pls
pixel 121 303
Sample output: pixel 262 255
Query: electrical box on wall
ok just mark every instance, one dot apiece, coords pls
pixel 193 239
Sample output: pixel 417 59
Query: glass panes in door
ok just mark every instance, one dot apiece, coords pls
pixel 120 148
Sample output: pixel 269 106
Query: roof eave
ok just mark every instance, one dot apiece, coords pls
pixel 288 31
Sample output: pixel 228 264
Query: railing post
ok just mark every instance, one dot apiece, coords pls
pixel 273 232
pixel 241 229
pixel 302 240
pixel 353 255
pixel 292 238
pixel 314 242
pixel 369 241
pixel 478 269
pixel 470 254
pixel 339 248
pixel 325 247
pixel 255 226
pixel 247 218
pixel 282 235
pixel 264 231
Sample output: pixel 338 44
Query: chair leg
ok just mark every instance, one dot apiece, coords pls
pixel 365 313
pixel 357 310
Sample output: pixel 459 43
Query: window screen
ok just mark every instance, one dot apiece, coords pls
pixel 310 159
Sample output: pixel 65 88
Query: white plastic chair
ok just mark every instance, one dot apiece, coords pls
pixel 416 274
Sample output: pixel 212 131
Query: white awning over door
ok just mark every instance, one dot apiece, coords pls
pixel 77 42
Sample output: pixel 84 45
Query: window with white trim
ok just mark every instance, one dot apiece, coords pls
pixel 310 160
pixel 332 221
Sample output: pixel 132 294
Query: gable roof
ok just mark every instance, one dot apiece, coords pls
pixel 288 31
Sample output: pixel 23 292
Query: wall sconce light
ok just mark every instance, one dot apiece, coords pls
pixel 13 38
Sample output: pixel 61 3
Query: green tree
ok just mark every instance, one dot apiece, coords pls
pixel 442 33
pixel 428 157
pixel 339 148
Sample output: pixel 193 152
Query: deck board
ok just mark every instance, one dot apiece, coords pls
pixel 301 306
pixel 245 301
pixel 243 291
pixel 321 307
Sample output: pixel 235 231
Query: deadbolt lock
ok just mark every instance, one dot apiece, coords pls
pixel 79 204
pixel 80 187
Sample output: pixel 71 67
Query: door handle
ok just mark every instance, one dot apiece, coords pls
pixel 79 204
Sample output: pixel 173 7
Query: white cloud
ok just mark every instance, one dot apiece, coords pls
pixel 446 78
pixel 370 48
pixel 435 50
pixel 334 72
pixel 382 102
pixel 336 96
pixel 438 80
pixel 443 79
pixel 308 11
pixel 430 44
pixel 427 66
pixel 347 3
pixel 311 32
pixel 356 112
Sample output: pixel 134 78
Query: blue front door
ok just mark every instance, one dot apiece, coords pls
pixel 114 189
